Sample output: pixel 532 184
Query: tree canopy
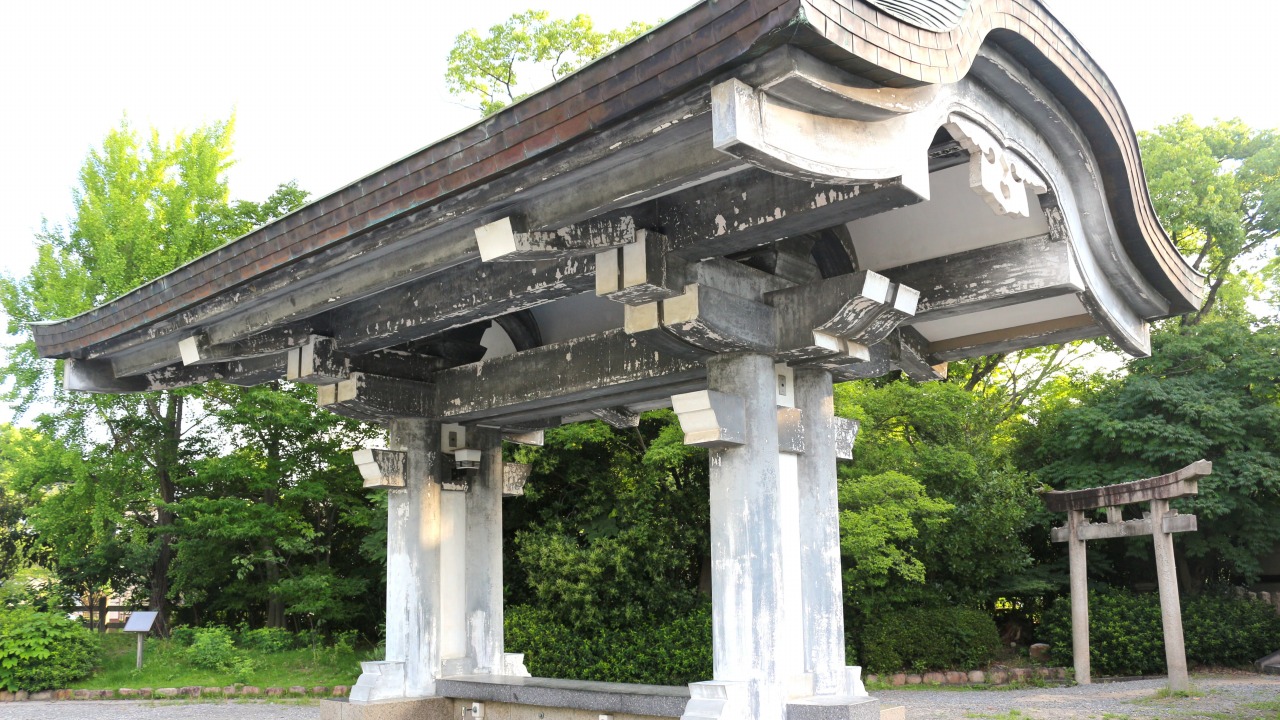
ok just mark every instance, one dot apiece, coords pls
pixel 493 70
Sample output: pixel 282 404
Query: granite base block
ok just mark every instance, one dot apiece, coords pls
pixel 834 708
pixel 432 708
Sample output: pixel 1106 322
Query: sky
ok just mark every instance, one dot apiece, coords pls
pixel 326 92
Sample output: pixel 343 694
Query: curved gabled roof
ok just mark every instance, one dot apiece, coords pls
pixel 690 50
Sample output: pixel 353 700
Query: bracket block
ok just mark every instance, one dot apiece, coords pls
pixel 711 419
pixel 382 468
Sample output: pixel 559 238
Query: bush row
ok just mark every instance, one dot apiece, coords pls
pixel 921 639
pixel 673 652
pixel 1126 636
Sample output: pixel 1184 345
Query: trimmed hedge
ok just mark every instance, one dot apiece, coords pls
pixel 1126 637
pixel 676 652
pixel 43 651
pixel 921 639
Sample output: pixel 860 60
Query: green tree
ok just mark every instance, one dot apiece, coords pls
pixel 614 525
pixel 141 209
pixel 1216 189
pixel 490 69
pixel 935 495
pixel 1210 391
pixel 272 527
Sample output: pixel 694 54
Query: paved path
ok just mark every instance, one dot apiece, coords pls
pixel 156 710
pixel 1216 697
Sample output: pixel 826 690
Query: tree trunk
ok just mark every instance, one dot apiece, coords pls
pixel 271 497
pixel 167 459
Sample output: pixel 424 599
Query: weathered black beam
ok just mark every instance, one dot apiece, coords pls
pixel 755 207
pixel 586 373
pixel 811 319
pixel 454 298
pixel 986 278
pixel 377 398
pixel 198 349
pixel 509 239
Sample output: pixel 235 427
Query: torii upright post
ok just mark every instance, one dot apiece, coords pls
pixel 1160 523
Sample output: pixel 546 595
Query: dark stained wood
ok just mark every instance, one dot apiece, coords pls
pixel 1176 484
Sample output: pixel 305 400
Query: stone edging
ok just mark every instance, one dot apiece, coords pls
pixel 973 677
pixel 190 691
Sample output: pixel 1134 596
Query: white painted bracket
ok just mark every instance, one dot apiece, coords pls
pixel 846 434
pixel 382 468
pixel 637 273
pixel 853 681
pixel 317 362
pixel 790 430
pixel 534 438
pixel 514 477
pixel 379 680
pixel 513 665
pixel 719 700
pixel 711 419
pixel 996 173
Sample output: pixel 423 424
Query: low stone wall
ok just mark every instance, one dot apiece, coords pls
pixel 190 691
pixel 995 676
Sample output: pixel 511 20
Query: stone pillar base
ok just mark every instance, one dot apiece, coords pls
pixel 431 708
pixel 834 707
pixel 379 680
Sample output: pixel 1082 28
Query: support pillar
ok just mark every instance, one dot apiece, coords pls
pixel 748 644
pixel 1079 597
pixel 1175 652
pixel 821 581
pixel 484 557
pixel 413 572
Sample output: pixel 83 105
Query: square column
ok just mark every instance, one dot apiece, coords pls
pixel 1175 652
pixel 821 581
pixel 413 572
pixel 752 653
pixel 484 636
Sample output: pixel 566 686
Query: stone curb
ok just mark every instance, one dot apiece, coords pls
pixel 972 677
pixel 191 691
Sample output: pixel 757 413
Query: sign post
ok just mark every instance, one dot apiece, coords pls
pixel 140 623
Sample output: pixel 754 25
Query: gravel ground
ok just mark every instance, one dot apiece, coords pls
pixel 1220 697
pixel 1215 697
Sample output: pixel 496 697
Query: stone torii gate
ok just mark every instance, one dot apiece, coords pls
pixel 1160 523
pixel 754 200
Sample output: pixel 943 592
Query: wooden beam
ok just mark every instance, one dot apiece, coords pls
pixel 377 398
pixel 1172 485
pixel 1126 528
pixel 509 238
pixel 317 362
pixel 593 372
pixel 198 349
pixel 641 272
pixel 811 319
pixel 455 298
pixel 617 417
pixel 755 207
pixel 1010 273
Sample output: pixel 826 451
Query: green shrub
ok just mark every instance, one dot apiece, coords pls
pixel 673 652
pixel 212 648
pixel 922 639
pixel 268 639
pixel 182 636
pixel 41 651
pixel 1126 636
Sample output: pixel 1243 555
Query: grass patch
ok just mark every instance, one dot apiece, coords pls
pixel 165 664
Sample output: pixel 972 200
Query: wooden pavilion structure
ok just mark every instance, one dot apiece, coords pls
pixel 752 200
